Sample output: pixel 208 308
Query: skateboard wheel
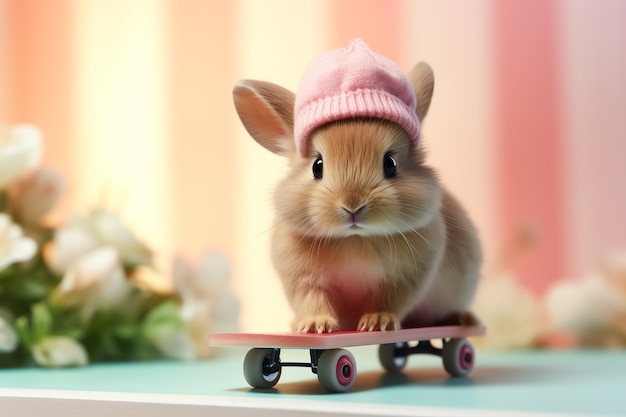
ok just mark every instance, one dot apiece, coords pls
pixel 259 370
pixel 336 370
pixel 458 357
pixel 390 358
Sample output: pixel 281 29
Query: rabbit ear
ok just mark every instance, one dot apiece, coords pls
pixel 422 80
pixel 266 111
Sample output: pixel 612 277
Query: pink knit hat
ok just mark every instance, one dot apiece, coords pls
pixel 353 82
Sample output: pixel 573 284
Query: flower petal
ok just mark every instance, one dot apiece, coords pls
pixel 70 243
pixel 60 352
pixel 8 336
pixel 112 231
pixel 19 151
pixel 14 247
pixel 36 195
pixel 92 268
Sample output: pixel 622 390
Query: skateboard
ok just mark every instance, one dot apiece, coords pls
pixel 335 366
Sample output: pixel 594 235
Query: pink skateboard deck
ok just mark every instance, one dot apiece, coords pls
pixel 341 339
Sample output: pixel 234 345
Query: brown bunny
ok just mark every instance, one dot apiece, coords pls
pixel 365 237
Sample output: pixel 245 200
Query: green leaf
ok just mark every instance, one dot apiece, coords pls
pixel 126 330
pixel 73 333
pixel 34 328
pixel 166 314
pixel 42 321
pixel 22 326
pixel 109 346
pixel 6 273
pixel 25 286
pixel 166 311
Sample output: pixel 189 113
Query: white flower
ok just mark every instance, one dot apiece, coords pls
pixel 59 352
pixel 511 313
pixel 8 336
pixel 69 244
pixel 83 234
pixel 592 309
pixel 14 247
pixel 89 252
pixel 108 229
pixel 35 195
pixel 207 304
pixel 95 280
pixel 202 288
pixel 20 149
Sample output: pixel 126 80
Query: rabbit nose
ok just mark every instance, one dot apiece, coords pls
pixel 353 214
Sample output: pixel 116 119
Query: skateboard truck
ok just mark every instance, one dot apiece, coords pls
pixel 457 355
pixel 335 368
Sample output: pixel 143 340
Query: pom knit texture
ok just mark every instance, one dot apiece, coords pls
pixel 353 82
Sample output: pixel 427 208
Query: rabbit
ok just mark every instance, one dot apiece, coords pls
pixel 365 238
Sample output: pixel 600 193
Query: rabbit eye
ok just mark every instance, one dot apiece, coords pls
pixel 390 166
pixel 318 168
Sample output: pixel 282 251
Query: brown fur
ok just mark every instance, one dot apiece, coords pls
pixel 414 258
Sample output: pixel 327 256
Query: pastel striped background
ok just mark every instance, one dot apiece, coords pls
pixel 527 124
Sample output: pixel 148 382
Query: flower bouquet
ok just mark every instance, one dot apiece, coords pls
pixel 83 291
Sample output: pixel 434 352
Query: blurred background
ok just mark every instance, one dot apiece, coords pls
pixel 134 102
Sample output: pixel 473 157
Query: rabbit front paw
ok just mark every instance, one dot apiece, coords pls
pixel 317 324
pixel 378 321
